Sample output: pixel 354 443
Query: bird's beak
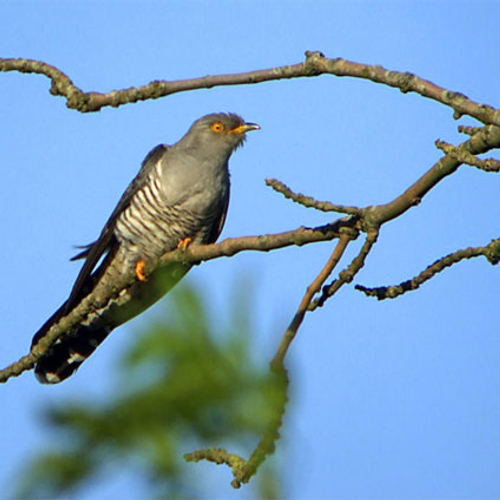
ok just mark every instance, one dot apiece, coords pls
pixel 244 128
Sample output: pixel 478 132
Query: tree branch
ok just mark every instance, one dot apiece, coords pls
pixel 193 254
pixel 372 217
pixel 490 251
pixel 315 64
pixel 243 469
pixel 481 142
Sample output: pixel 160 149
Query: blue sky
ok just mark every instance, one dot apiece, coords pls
pixel 397 399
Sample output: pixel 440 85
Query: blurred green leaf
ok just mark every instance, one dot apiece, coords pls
pixel 185 384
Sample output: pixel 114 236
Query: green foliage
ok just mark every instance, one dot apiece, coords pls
pixel 185 384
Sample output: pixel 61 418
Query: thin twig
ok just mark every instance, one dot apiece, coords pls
pixel 218 456
pixel 346 275
pixel 312 289
pixel 490 251
pixel 267 444
pixel 262 243
pixel 465 129
pixel 243 469
pixel 309 201
pixel 463 156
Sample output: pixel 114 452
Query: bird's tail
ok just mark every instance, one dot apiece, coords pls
pixel 68 353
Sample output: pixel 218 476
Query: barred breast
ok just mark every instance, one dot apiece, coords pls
pixel 149 226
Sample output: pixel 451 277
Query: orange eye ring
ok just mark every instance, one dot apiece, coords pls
pixel 217 127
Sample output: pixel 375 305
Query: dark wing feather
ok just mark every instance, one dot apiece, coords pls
pixel 93 252
pixel 219 223
pixel 82 255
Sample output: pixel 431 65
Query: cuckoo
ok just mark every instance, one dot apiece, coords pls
pixel 180 196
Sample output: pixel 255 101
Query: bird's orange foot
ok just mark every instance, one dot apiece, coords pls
pixel 183 244
pixel 139 270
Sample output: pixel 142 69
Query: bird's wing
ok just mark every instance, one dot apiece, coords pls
pixel 219 224
pixel 93 252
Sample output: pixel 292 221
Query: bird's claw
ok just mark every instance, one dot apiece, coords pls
pixel 140 270
pixel 183 244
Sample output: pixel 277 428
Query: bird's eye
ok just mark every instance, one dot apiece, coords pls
pixel 217 127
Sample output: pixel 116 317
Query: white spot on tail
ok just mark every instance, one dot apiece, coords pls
pixel 49 378
pixel 76 358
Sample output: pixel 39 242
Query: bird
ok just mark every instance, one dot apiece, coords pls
pixel 179 197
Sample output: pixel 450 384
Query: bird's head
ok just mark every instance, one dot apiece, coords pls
pixel 218 133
